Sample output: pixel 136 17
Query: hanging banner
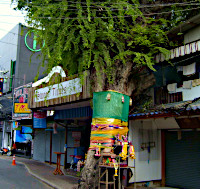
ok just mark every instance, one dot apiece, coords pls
pixel 21 110
pixel 39 120
pixel 65 88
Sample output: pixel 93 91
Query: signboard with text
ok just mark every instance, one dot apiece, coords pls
pixel 21 110
pixel 39 120
pixel 65 88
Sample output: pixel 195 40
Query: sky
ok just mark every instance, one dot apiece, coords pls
pixel 9 17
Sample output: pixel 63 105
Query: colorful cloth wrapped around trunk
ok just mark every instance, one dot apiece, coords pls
pixel 110 121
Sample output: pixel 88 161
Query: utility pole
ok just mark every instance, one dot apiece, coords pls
pixel 3 137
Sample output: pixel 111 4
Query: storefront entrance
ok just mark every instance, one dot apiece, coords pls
pixel 182 159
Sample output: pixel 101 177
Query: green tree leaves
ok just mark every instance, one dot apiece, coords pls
pixel 94 35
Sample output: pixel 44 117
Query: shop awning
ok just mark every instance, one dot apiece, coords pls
pixel 170 109
pixel 73 113
pixel 180 51
pixel 5 107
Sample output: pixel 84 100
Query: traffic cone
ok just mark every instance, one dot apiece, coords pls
pixel 13 162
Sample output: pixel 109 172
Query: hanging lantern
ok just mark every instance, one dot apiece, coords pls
pixel 130 102
pixel 98 152
pixel 108 96
pixel 132 152
pixel 122 99
pixel 115 166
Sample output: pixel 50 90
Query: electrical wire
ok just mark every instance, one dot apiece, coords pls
pixel 96 17
pixel 99 5
pixel 115 3
pixel 8 43
pixel 99 9
pixel 9 23
pixel 105 17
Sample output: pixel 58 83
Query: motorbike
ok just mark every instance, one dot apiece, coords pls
pixel 6 151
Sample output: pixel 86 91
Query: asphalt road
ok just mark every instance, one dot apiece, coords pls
pixel 17 177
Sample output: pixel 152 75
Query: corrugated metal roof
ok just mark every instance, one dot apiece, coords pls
pixel 170 108
pixel 194 106
pixel 73 113
pixel 175 105
pixel 6 105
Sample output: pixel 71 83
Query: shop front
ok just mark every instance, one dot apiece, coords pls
pixel 67 131
pixel 66 128
pixel 22 122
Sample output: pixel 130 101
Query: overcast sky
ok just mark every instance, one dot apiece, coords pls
pixel 9 17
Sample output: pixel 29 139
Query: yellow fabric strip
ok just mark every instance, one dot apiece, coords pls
pixel 111 132
pixel 108 121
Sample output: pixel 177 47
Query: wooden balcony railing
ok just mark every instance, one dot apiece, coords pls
pixel 162 96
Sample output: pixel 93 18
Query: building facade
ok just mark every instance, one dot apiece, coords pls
pixel 166 134
pixel 20 62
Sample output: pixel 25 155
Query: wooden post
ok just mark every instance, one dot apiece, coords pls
pixel 106 178
pixel 99 185
pixel 163 156
pixel 50 158
pixel 65 161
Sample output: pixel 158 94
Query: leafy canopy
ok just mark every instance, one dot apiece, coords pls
pixel 85 34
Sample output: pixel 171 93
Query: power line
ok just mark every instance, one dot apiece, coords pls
pixel 105 17
pixel 17 34
pixel 5 15
pixel 10 32
pixel 140 5
pixel 114 3
pixel 9 23
pixel 99 9
pixel 8 43
pixel 125 16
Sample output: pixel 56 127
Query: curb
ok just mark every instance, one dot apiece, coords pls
pixel 33 174
pixel 45 181
pixel 39 178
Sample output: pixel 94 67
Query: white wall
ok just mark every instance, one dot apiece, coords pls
pixel 192 35
pixel 189 94
pixel 8 52
pixel 148 165
pixel 5 140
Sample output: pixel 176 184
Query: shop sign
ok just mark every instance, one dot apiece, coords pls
pixel 26 130
pixel 22 116
pixel 21 108
pixel 22 138
pixel 33 46
pixel 39 120
pixel 76 134
pixel 65 88
pixel 16 125
pixel 77 137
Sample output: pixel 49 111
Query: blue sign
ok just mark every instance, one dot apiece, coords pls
pixel 26 130
pixel 39 120
pixel 22 137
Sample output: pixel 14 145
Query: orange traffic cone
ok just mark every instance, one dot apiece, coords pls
pixel 13 162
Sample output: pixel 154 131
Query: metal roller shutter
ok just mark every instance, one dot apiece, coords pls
pixel 183 160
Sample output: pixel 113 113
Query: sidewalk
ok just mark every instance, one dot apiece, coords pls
pixel 44 172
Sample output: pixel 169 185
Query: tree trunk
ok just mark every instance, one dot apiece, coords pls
pixel 124 83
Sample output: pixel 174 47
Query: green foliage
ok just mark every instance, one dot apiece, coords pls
pixel 81 35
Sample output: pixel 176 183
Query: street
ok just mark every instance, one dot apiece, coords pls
pixel 17 177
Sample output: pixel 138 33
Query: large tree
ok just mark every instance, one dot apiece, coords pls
pixel 116 41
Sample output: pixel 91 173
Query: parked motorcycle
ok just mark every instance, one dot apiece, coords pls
pixel 6 151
